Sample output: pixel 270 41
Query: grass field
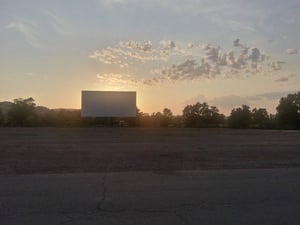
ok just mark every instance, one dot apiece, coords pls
pixel 68 150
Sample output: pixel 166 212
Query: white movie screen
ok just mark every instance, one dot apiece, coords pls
pixel 108 104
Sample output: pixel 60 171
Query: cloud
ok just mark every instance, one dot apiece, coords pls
pixel 126 53
pixel 150 82
pixel 255 55
pixel 273 95
pixel 292 75
pixel 253 98
pixel 229 102
pixel 277 65
pixel 58 24
pixel 282 79
pixel 236 43
pixel 27 30
pixel 142 46
pixel 198 98
pixel 132 52
pixel 190 45
pixel 215 62
pixel 193 61
pixel 276 95
pixel 113 79
pixel 292 51
pixel 231 58
pixel 167 44
pixel 29 74
pixel 111 3
pixel 269 96
pixel 212 53
pixel 187 70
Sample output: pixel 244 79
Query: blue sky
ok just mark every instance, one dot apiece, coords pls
pixel 171 52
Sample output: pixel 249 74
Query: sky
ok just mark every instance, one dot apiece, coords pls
pixel 172 52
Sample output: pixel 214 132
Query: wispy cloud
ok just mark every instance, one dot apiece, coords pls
pixel 125 80
pixel 282 79
pixel 29 74
pixel 58 24
pixel 274 95
pixel 276 65
pixel 229 101
pixel 112 78
pixel 110 3
pixel 193 100
pixel 292 51
pixel 286 78
pixel 126 53
pixel 253 98
pixel 27 30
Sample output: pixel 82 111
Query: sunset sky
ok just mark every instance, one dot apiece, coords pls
pixel 172 52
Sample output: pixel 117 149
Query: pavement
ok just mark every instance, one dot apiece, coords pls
pixel 206 197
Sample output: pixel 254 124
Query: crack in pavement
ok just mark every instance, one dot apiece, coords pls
pixel 173 210
pixel 103 194
pixel 102 209
pixel 69 219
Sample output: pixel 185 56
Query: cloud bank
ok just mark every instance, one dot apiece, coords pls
pixel 187 62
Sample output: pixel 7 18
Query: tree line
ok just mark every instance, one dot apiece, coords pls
pixel 24 112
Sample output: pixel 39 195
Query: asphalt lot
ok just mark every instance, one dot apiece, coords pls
pixel 210 197
pixel 87 176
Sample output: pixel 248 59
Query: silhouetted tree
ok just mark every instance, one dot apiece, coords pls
pixel 143 119
pixel 167 117
pixel 167 112
pixel 288 111
pixel 156 119
pixel 178 121
pixel 260 118
pixel 162 119
pixel 1 118
pixel 129 121
pixel 191 115
pixel 139 117
pixel 213 116
pixel 201 115
pixel 273 123
pixel 21 112
pixel 66 117
pixel 240 117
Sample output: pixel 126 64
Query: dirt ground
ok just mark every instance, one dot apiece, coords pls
pixel 68 150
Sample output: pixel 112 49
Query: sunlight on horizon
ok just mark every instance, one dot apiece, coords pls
pixel 226 54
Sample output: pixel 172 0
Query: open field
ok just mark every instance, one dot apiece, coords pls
pixel 70 150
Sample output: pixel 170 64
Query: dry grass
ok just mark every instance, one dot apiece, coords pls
pixel 67 150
